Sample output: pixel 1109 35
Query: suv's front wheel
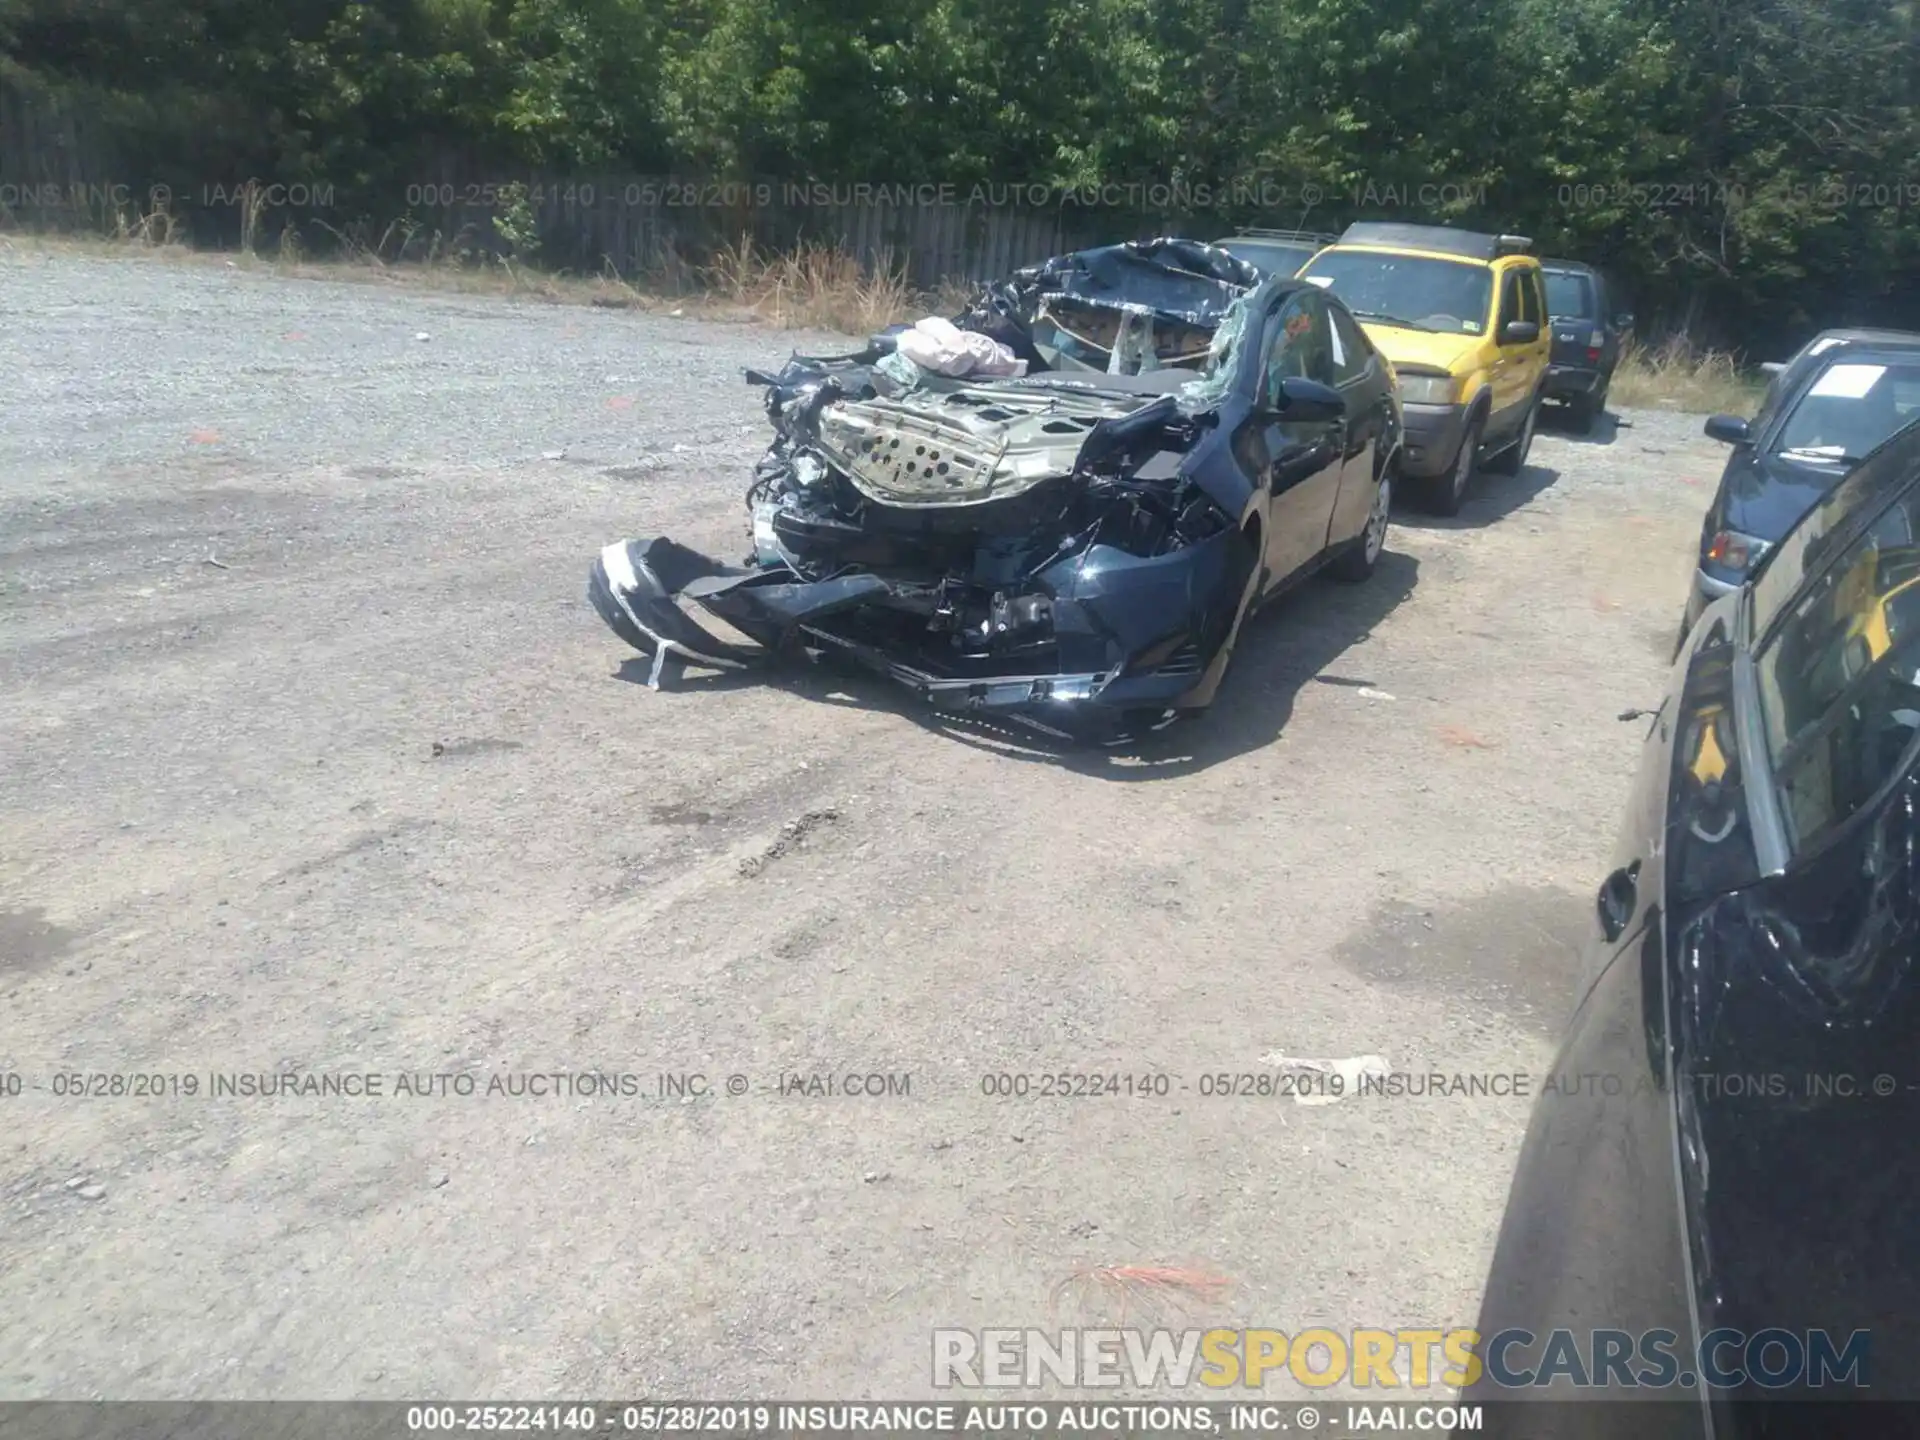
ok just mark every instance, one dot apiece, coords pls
pixel 1445 494
pixel 1514 457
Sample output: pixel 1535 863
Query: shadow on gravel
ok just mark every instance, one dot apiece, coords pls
pixel 1516 951
pixel 1606 426
pixel 1492 498
pixel 1280 649
pixel 638 671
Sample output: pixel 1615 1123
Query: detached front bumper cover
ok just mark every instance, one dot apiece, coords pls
pixel 644 590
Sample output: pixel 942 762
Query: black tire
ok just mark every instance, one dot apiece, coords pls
pixel 1583 410
pixel 1362 556
pixel 1445 494
pixel 1513 459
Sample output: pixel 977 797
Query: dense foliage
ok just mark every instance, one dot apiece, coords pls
pixel 1746 166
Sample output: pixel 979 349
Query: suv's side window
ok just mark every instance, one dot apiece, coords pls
pixel 1840 677
pixel 1534 299
pixel 1509 301
pixel 1352 351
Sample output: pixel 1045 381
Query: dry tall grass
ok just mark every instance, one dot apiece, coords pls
pixel 1678 375
pixel 813 287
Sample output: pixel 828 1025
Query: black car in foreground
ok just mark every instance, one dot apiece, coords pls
pixel 1838 398
pixel 1588 332
pixel 1276 252
pixel 1075 547
pixel 1720 1182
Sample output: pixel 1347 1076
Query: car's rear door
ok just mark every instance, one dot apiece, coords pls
pixel 1360 375
pixel 1575 319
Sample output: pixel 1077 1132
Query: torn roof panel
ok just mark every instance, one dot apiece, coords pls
pixel 1176 279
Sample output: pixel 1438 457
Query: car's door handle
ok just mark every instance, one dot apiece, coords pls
pixel 1614 904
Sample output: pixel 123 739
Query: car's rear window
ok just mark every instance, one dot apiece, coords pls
pixel 1273 256
pixel 1569 295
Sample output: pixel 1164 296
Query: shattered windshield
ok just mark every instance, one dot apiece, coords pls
pixel 1414 292
pixel 1216 378
pixel 1072 334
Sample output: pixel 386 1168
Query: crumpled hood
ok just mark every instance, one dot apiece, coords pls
pixel 1421 348
pixel 967 446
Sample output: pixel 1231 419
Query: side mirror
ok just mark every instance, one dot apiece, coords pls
pixel 1519 332
pixel 1301 399
pixel 1729 429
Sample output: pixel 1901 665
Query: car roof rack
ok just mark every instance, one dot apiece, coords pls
pixel 1257 232
pixel 1442 239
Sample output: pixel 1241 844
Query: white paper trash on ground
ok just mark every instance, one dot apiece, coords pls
pixel 1351 1070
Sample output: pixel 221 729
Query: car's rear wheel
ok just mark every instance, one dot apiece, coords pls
pixel 1359 560
pixel 1584 409
pixel 1445 494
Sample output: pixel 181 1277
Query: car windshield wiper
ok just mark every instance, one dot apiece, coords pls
pixel 1391 319
pixel 1832 454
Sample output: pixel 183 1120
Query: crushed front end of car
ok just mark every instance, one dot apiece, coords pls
pixel 1037 546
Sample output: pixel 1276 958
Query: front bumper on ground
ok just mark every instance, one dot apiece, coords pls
pixel 1431 438
pixel 642 588
pixel 1564 382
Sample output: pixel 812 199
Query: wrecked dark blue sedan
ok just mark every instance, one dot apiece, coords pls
pixel 1075 546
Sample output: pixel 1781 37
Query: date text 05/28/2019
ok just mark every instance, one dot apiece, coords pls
pixel 1159 1084
pixel 925 1421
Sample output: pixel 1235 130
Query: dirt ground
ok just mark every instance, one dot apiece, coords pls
pixel 317 760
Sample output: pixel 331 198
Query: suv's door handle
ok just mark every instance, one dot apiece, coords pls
pixel 1614 904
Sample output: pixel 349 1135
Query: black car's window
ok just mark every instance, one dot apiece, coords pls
pixel 1451 296
pixel 1769 402
pixel 1852 406
pixel 1352 352
pixel 1298 345
pixel 1839 677
pixel 1570 296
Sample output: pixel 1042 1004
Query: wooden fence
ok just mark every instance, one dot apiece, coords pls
pixel 59 170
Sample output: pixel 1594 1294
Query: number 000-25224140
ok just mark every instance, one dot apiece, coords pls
pixel 515 1419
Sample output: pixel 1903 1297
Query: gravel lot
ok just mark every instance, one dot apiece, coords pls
pixel 316 758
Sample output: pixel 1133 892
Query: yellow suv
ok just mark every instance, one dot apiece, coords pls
pixel 1462 318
